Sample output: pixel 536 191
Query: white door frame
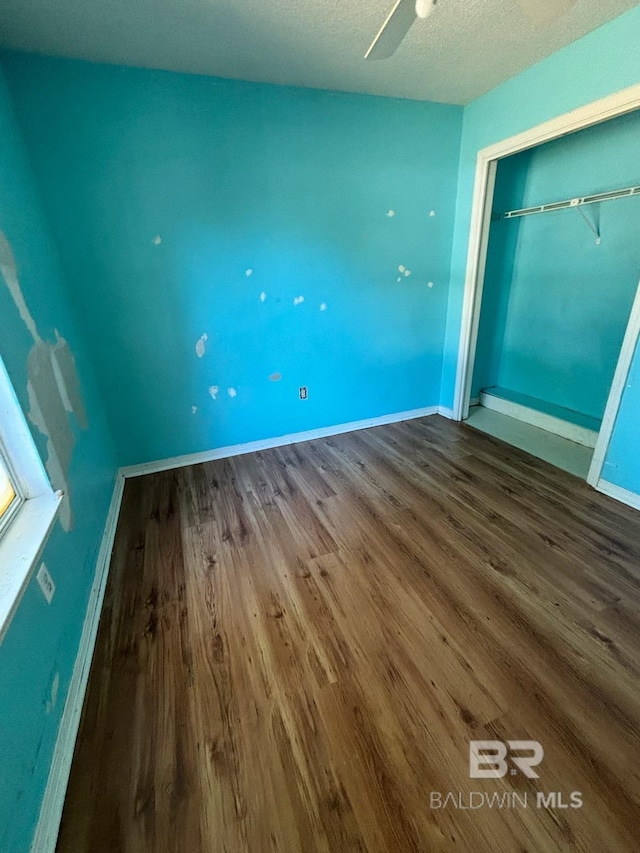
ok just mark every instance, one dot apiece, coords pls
pixel 617 104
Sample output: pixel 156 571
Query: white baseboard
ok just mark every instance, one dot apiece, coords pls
pixel 573 432
pixel 268 443
pixel 46 834
pixel 474 401
pixel 619 494
pixel 445 412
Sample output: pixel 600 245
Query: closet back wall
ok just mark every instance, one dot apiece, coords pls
pixel 229 242
pixel 557 329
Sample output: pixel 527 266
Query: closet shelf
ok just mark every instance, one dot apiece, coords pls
pixel 572 202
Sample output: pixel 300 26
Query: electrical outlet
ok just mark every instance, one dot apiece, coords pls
pixel 45 581
pixel 303 392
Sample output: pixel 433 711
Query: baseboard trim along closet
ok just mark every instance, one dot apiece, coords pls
pixel 268 443
pixel 445 412
pixel 46 834
pixel 579 434
pixel 619 494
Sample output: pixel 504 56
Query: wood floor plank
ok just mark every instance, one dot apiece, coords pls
pixel 298 645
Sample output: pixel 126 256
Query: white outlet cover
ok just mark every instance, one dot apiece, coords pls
pixel 45 582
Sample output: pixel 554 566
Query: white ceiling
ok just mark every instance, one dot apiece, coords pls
pixel 466 48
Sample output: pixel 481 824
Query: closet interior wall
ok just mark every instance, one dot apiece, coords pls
pixel 556 301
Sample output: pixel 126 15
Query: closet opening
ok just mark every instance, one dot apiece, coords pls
pixel 552 303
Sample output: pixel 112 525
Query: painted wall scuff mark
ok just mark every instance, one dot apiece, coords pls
pixel 263 296
pixel 213 391
pixel 297 300
pixel 53 389
pixel 429 284
pixel 232 392
pixel 391 214
pixel 323 306
pixel 53 695
pixel 432 213
pixel 157 240
pixel 200 346
pixel 275 377
pixel 194 409
pixel 248 272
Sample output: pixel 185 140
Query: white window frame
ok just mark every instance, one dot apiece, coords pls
pixel 24 530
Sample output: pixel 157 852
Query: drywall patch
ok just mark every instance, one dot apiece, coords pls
pixel 298 300
pixel 201 345
pixel 263 296
pixel 275 377
pixel 214 391
pixel 232 392
pixel 323 306
pixel 157 240
pixel 391 213
pixel 53 389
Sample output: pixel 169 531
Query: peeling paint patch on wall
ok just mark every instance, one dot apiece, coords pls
pixel 297 300
pixel 232 392
pixel 194 409
pixel 323 306
pixel 432 213
pixel 263 296
pixel 53 389
pixel 391 214
pixel 157 240
pixel 429 284
pixel 200 346
pixel 213 391
pixel 248 272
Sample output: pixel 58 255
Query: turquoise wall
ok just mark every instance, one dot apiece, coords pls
pixel 597 65
pixel 40 646
pixel 622 465
pixel 561 303
pixel 293 184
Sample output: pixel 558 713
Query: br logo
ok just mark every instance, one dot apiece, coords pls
pixel 490 759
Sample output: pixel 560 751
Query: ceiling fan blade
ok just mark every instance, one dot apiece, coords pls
pixel 394 29
pixel 546 11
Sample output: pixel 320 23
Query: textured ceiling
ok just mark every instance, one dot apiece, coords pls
pixel 466 48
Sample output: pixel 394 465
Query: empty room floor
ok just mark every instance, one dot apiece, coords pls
pixel 298 645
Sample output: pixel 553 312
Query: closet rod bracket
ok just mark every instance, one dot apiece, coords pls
pixel 594 226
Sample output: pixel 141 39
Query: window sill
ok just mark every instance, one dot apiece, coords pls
pixel 20 547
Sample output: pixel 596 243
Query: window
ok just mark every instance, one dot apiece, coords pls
pixel 9 498
pixel 28 504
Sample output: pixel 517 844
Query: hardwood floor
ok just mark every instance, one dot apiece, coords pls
pixel 298 645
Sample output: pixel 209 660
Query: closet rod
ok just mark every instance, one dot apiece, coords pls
pixel 572 202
